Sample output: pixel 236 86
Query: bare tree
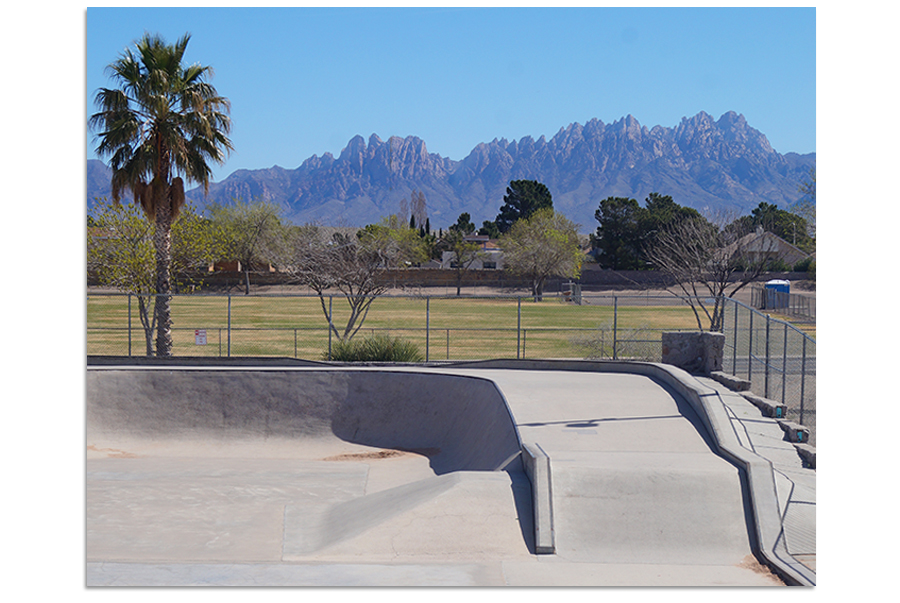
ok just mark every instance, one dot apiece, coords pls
pixel 343 263
pixel 806 206
pixel 418 207
pixel 710 263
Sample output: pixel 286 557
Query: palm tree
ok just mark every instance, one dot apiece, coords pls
pixel 159 128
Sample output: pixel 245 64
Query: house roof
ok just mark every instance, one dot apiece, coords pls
pixel 485 241
pixel 764 242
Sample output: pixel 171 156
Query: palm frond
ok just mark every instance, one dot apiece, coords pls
pixel 165 122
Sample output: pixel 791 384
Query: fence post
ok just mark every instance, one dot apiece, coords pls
pixel 750 352
pixel 129 325
pixel 784 364
pixel 766 386
pixel 802 379
pixel 615 326
pixel 519 329
pixel 229 325
pixel 735 336
pixel 427 325
pixel 330 327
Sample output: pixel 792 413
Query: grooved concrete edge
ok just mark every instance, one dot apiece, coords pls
pixel 709 406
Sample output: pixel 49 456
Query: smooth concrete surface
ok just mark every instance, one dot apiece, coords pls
pixel 411 476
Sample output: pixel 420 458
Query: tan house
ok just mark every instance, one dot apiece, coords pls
pixel 490 255
pixel 761 245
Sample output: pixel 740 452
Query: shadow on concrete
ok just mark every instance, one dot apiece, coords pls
pixel 594 422
pixel 524 499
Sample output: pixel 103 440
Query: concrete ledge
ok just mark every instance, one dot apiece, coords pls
pixel 201 361
pixel 733 383
pixel 794 432
pixel 807 453
pixel 769 408
pixel 537 467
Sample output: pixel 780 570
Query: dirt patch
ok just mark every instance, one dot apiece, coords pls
pixel 365 456
pixel 382 454
pixel 750 562
pixel 113 453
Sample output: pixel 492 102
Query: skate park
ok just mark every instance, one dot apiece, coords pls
pixel 491 473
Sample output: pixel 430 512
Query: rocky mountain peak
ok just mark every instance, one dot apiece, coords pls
pixel 702 162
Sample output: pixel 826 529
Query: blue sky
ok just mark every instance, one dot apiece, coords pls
pixel 303 81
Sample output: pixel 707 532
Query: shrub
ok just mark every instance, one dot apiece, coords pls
pixel 378 348
pixel 777 265
pixel 630 343
pixel 804 264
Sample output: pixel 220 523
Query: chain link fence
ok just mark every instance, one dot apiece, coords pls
pixel 799 307
pixel 777 358
pixel 443 327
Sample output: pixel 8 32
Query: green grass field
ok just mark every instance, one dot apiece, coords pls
pixel 457 328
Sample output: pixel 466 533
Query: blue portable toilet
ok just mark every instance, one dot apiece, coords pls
pixel 778 294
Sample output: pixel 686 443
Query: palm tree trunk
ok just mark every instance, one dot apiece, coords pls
pixel 163 243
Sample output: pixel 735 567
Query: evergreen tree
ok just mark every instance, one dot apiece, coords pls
pixel 522 199
pixel 619 237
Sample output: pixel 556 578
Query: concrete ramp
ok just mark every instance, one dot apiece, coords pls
pixel 639 508
pixel 460 423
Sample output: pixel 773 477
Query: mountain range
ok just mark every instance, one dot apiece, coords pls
pixel 711 165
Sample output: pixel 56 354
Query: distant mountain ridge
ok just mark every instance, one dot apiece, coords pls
pixel 707 164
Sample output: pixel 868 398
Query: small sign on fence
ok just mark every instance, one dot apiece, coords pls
pixel 200 336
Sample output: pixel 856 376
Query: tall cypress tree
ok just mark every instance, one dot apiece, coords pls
pixel 522 199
